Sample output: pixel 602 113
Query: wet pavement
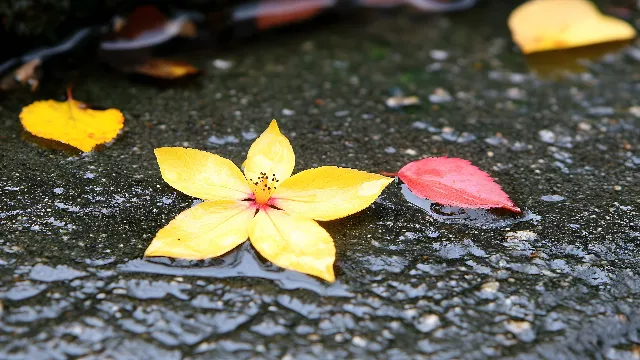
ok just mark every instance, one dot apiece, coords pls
pixel 414 279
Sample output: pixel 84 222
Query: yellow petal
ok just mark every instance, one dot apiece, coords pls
pixel 72 123
pixel 206 230
pixel 328 192
pixel 540 25
pixel 202 174
pixel 271 153
pixel 294 243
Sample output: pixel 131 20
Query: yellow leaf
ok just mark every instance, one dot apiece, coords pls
pixel 328 192
pixel 166 69
pixel 201 174
pixel 540 25
pixel 206 230
pixel 294 243
pixel 271 153
pixel 70 122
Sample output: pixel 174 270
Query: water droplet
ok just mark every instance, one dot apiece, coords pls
pixel 440 96
pixel 249 135
pixel 51 274
pixel 552 198
pixel 439 55
pixel 229 139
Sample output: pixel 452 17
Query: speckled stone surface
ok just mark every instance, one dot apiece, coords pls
pixel 415 280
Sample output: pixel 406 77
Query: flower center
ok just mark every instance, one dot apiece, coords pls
pixel 263 186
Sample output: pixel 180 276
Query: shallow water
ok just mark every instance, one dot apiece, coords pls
pixel 241 262
pixel 481 218
pixel 424 281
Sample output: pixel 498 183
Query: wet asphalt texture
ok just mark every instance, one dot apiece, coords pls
pixel 414 280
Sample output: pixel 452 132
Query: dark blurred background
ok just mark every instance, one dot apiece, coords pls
pixel 27 24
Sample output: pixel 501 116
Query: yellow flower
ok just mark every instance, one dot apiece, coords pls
pixel 275 210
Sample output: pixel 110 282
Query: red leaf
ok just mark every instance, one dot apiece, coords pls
pixel 455 182
pixel 143 18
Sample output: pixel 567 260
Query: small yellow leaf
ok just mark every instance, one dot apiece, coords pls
pixel 270 153
pixel 166 69
pixel 70 122
pixel 201 174
pixel 328 192
pixel 541 25
pixel 294 243
pixel 206 230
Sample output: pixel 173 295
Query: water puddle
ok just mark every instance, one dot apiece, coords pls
pixel 481 218
pixel 242 262
pixel 556 64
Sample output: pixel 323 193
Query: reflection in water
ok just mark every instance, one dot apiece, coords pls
pixel 240 262
pixel 482 218
pixel 53 144
pixel 557 63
